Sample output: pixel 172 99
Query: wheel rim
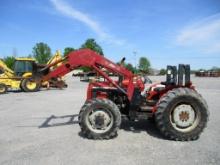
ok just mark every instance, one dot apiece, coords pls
pixel 2 89
pixel 99 120
pixel 184 118
pixel 31 85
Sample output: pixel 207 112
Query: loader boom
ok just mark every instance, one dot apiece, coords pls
pixel 89 58
pixel 6 69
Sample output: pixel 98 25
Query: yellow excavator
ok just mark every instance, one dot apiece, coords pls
pixel 24 71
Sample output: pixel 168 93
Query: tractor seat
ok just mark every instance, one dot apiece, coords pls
pixel 167 83
pixel 158 89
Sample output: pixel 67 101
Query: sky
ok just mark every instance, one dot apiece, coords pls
pixel 164 31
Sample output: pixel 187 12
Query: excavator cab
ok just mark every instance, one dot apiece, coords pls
pixel 1 71
pixel 24 65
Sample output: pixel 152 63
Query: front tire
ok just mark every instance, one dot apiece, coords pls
pixel 182 114
pixel 3 88
pixel 99 119
pixel 30 85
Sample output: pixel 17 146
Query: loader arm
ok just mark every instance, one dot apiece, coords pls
pixel 89 58
pixel 7 71
pixel 55 58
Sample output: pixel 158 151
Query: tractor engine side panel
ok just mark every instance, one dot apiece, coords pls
pixel 111 93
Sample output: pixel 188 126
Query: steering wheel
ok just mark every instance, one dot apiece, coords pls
pixel 146 79
pixel 120 78
pixel 122 61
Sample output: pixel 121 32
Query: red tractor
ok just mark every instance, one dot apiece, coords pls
pixel 178 109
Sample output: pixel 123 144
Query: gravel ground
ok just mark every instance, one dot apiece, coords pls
pixel 41 128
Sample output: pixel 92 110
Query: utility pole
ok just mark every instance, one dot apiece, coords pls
pixel 135 60
pixel 14 52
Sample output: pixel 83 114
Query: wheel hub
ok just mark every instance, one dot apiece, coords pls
pixel 31 85
pixel 100 120
pixel 183 116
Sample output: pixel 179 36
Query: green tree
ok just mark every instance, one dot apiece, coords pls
pixel 162 72
pixel 144 64
pixel 130 67
pixel 42 52
pixel 67 50
pixel 9 61
pixel 215 68
pixel 91 44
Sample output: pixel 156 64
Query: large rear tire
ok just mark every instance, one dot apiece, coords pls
pixel 99 119
pixel 30 85
pixel 181 114
pixel 3 88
